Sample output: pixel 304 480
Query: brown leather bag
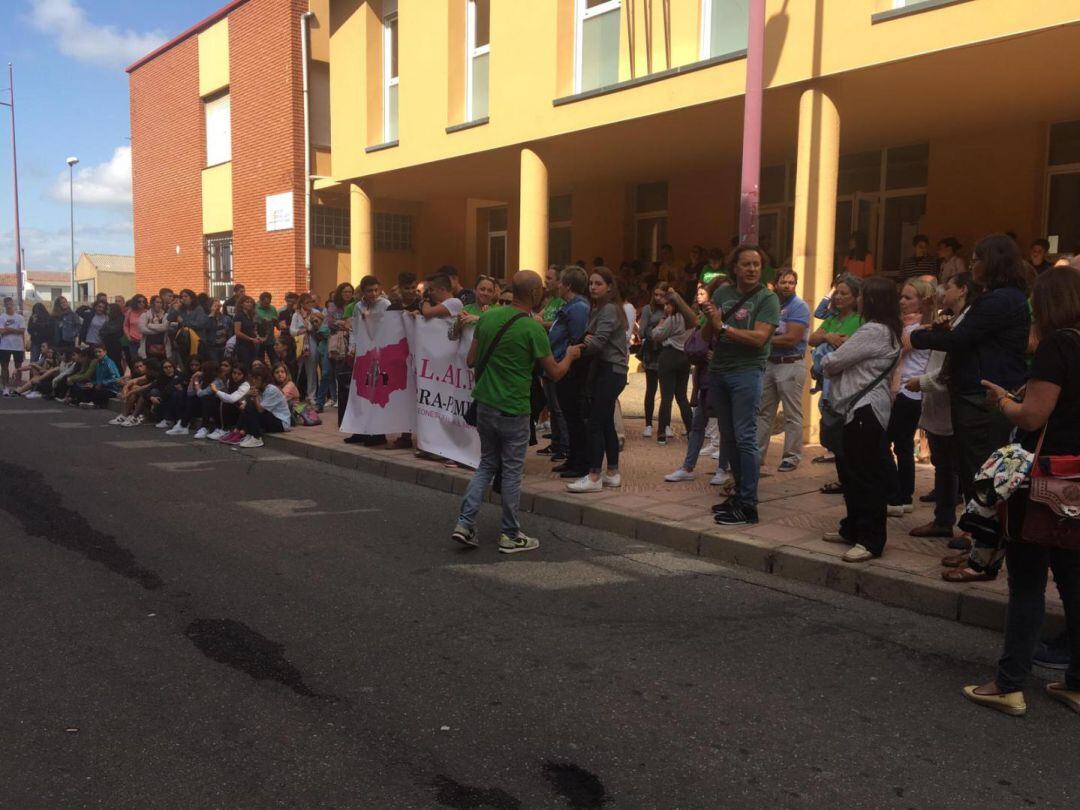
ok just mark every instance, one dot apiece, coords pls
pixel 1052 514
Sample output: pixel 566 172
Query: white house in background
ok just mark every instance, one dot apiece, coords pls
pixel 38 285
pixel 104 272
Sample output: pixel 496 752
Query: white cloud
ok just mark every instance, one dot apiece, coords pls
pixel 75 36
pixel 107 184
pixel 51 249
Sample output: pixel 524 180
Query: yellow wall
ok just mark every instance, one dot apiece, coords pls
pixel 800 44
pixel 214 58
pixel 217 198
pixel 328 269
pixel 116 284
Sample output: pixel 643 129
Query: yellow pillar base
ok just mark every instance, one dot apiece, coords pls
pixel 533 217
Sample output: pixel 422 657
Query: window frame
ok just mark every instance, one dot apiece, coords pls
pixel 582 13
pixel 1052 170
pixel 389 24
pixel 705 44
pixel 472 52
pixel 389 228
pixel 210 242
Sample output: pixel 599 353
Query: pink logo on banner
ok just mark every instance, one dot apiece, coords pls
pixel 380 372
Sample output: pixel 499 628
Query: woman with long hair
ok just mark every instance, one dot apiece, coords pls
pixel 605 343
pixel 153 324
pixel 67 324
pixel 673 368
pixel 1050 408
pixel 916 310
pixel 990 344
pixel 90 333
pixel 112 335
pixel 841 318
pixel 859 261
pixel 650 316
pixel 133 310
pixel 860 371
pixel 246 331
pixel 41 329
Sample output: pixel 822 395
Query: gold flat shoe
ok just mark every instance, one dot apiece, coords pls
pixel 1011 703
pixel 1059 693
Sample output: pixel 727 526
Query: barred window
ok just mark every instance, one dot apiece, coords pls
pixel 331 226
pixel 393 232
pixel 219 265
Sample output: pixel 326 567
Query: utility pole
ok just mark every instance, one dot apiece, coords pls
pixel 15 185
pixel 751 158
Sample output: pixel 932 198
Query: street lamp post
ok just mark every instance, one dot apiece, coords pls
pixel 71 161
pixel 751 161
pixel 15 186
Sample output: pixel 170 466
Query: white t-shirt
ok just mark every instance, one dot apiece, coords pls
pixel 913 364
pixel 12 343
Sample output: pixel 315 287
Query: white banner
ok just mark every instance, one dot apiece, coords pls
pixel 444 384
pixel 383 395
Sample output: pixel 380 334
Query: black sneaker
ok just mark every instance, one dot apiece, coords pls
pixel 558 455
pixel 737 515
pixel 356 438
pixel 723 506
pixel 545 451
pixel 466 535
pixel 787 465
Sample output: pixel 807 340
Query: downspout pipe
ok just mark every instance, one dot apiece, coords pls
pixel 305 32
pixel 751 157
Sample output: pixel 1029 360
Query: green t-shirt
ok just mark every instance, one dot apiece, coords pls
pixel 709 273
pixel 473 309
pixel 268 317
pixel 835 325
pixel 762 307
pixel 551 309
pixel 506 382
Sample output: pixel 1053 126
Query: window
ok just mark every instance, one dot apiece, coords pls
pixel 390 71
pixel 331 227
pixel 597 36
pixel 219 265
pixel 908 167
pixel 725 27
pixel 393 232
pixel 218 131
pixel 1063 188
pixel 84 291
pixel 560 235
pixel 1065 143
pixel 650 220
pixel 477 56
pixel 498 219
pixel 55 292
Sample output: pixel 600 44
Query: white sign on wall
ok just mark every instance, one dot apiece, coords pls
pixel 279 211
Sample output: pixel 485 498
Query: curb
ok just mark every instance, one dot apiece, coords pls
pixel 874 580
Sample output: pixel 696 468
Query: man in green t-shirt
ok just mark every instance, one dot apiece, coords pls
pixel 554 301
pixel 266 316
pixel 742 319
pixel 503 354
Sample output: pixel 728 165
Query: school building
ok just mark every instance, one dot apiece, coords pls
pixel 292 145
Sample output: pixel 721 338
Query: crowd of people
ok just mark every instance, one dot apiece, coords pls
pixel 948 355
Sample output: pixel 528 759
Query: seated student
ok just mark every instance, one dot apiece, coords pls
pixel 103 386
pixel 84 373
pixel 285 352
pixel 188 408
pixel 161 400
pixel 69 364
pixel 213 376
pixel 283 380
pixel 264 410
pixel 131 392
pixel 234 392
pixel 43 367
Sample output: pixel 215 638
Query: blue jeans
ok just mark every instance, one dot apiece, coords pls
pixel 560 441
pixel 735 397
pixel 504 441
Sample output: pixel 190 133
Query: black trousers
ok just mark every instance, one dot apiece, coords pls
pixel 652 379
pixel 570 393
pixel 674 376
pixel 863 468
pixel 255 422
pixel 230 416
pixel 211 412
pixel 1028 564
pixel 903 422
pixel 343 374
pixel 946 486
pixel 608 383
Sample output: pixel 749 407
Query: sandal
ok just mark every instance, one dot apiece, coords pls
pixel 955 560
pixel 835 488
pixel 1060 692
pixel 967 575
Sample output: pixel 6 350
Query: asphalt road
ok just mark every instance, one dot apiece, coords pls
pixel 188 625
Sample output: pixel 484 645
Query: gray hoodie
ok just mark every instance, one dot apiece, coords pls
pixel 608 337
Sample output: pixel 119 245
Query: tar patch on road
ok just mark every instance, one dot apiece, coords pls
pixel 236 645
pixel 27 496
pixel 582 789
pixel 452 793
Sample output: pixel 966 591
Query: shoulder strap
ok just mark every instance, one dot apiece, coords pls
pixel 873 383
pixel 742 300
pixel 494 342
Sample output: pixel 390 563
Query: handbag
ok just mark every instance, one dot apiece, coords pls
pixel 338 345
pixel 470 415
pixel 831 427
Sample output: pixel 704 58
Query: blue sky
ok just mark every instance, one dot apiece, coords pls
pixel 72 99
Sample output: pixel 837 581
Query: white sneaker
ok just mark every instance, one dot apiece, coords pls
pixel 118 420
pixel 129 422
pixel 722 478
pixel 679 475
pixel 611 481
pixel 586 484
pixel 715 454
pixel 544 427
pixel 669 432
pixel 201 433
pixel 833 537
pixel 857 553
pixel 177 430
pixel 33 395
pixel 894 511
pixel 138 420
pixel 217 434
pixel 647 432
pixel 250 441
pixel 164 424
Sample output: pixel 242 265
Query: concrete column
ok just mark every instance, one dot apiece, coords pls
pixel 361 244
pixel 815 209
pixel 533 219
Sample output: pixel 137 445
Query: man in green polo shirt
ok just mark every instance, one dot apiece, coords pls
pixel 507 344
pixel 741 318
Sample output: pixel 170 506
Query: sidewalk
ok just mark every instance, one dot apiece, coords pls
pixel 787 542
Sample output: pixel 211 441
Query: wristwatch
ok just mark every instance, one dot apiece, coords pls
pixel 723 326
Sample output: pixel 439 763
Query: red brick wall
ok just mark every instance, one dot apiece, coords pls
pixel 168 154
pixel 167 157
